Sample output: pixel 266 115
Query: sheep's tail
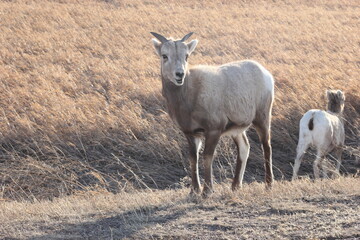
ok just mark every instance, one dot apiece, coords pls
pixel 311 123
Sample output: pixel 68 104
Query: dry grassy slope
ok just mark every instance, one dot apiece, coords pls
pixel 80 91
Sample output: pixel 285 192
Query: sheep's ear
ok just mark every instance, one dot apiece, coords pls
pixel 192 45
pixel 329 94
pixel 340 94
pixel 157 46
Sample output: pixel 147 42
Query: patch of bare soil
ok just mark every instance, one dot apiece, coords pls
pixel 299 219
pixel 336 217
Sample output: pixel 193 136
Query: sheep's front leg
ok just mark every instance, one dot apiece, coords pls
pixel 325 166
pixel 338 153
pixel 211 140
pixel 194 148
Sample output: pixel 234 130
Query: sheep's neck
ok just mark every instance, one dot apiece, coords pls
pixel 178 99
pixel 339 114
pixel 335 109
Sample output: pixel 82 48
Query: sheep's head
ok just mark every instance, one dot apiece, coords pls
pixel 336 99
pixel 174 56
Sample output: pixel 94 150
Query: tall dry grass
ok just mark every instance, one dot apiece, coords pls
pixel 80 101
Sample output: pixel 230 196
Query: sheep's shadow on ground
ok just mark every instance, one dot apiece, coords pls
pixel 115 227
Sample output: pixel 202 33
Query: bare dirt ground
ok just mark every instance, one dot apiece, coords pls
pixel 326 209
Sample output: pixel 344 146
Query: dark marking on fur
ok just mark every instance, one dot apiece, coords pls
pixel 311 124
pixel 229 125
pixel 199 130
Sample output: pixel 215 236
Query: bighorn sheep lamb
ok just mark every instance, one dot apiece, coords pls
pixel 211 101
pixel 324 130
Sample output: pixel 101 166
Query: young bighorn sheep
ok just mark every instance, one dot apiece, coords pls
pixel 211 101
pixel 324 130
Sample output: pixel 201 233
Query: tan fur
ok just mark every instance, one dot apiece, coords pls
pixel 217 100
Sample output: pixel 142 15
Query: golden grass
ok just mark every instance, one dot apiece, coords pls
pixel 82 204
pixel 80 102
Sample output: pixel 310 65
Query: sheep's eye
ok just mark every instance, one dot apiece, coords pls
pixel 186 57
pixel 165 57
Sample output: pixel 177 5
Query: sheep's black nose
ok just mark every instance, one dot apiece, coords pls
pixel 179 74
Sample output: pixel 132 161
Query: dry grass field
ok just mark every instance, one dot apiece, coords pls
pixel 83 125
pixel 327 209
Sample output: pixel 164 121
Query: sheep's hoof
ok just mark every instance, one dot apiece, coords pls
pixel 207 192
pixel 235 187
pixel 268 186
pixel 194 196
pixel 335 175
pixel 194 192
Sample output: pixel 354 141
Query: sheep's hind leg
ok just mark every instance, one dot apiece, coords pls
pixel 263 130
pixel 300 151
pixel 243 149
